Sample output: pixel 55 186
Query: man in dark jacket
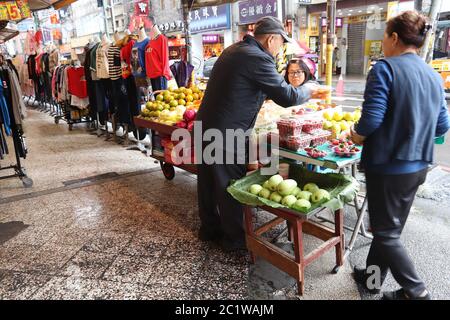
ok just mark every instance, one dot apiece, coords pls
pixel 243 77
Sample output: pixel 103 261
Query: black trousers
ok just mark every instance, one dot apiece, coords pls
pixel 219 211
pixel 120 101
pixel 390 199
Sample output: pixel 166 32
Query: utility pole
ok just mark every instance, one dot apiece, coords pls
pixel 331 35
pixel 187 4
pixel 426 53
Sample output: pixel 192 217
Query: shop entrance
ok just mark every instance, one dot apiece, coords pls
pixel 213 45
pixel 355 53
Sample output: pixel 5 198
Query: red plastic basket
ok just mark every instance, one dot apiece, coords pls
pixel 289 126
pixel 312 125
pixel 297 143
pixel 320 137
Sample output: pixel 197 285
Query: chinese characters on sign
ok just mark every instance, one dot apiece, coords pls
pixel 209 18
pixel 252 10
pixel 210 38
pixel 14 10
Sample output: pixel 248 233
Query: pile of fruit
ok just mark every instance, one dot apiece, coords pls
pixel 345 148
pixel 288 193
pixel 339 123
pixel 315 153
pixel 170 105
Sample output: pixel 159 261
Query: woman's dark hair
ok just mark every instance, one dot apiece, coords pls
pixel 411 28
pixel 303 67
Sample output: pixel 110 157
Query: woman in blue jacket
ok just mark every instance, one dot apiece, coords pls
pixel 404 110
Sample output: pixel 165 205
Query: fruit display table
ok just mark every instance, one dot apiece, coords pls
pixel 339 164
pixel 342 189
pixel 160 131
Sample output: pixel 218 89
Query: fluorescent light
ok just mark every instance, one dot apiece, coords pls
pixel 351 10
pixel 360 11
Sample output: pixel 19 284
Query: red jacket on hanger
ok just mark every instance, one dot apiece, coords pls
pixel 125 57
pixel 77 82
pixel 157 58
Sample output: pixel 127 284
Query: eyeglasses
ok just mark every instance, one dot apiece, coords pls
pixel 296 73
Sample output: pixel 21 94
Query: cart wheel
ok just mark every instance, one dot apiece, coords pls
pixel 336 269
pixel 70 127
pixel 168 170
pixel 27 182
pixel 56 120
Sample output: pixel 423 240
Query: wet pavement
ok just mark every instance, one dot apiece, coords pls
pixel 102 222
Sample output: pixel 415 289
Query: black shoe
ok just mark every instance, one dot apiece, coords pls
pixel 230 246
pixel 209 235
pixel 360 276
pixel 401 295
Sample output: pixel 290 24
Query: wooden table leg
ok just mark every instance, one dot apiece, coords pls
pixel 298 250
pixel 290 231
pixel 339 232
pixel 249 227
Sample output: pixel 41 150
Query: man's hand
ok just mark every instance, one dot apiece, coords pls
pixel 356 138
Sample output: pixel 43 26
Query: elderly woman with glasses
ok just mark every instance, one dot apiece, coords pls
pixel 298 73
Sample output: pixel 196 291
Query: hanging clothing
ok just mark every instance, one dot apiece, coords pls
pixel 76 82
pixel 159 83
pixel 182 72
pixel 114 63
pixel 138 58
pixel 102 61
pixel 157 58
pixel 93 62
pixel 4 113
pixel 125 56
pixel 53 60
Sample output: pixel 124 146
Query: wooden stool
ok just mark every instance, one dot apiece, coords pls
pixel 298 224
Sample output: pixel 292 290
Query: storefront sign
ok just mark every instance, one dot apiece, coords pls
pixel 252 10
pixel 210 38
pixel 210 18
pixel 338 23
pixel 366 18
pixel 141 8
pixel 392 9
pixel 373 48
pixel 14 10
pixel 314 25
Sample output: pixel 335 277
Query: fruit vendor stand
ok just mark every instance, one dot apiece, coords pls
pixel 337 163
pixel 341 189
pixel 161 151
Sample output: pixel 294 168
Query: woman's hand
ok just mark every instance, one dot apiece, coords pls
pixel 356 138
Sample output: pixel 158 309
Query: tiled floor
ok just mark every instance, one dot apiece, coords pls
pixel 132 236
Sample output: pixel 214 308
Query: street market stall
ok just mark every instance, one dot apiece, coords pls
pixel 335 191
pixel 312 139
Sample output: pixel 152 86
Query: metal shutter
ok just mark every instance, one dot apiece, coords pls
pixel 355 52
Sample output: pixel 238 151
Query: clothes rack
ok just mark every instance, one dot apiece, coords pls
pixel 12 112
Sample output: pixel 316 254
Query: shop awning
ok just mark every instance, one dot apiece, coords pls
pixel 36 5
pixel 7 34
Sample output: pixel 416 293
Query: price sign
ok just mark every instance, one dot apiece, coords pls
pixel 3 12
pixel 14 10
